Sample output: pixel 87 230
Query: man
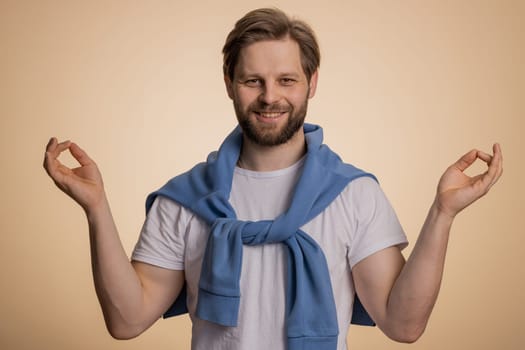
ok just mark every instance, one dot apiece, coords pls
pixel 274 235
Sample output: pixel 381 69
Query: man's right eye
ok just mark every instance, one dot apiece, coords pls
pixel 253 82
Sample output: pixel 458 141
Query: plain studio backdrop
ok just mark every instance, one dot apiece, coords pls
pixel 406 87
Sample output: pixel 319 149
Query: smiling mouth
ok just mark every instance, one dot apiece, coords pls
pixel 270 115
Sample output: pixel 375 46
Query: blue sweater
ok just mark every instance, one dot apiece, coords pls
pixel 311 319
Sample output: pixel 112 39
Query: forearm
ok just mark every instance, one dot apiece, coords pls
pixel 117 285
pixel 416 289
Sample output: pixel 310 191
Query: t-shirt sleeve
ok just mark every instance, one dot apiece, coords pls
pixel 376 224
pixel 161 241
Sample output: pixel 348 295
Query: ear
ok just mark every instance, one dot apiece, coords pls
pixel 229 86
pixel 313 83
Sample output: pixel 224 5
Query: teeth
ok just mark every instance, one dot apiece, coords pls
pixel 270 115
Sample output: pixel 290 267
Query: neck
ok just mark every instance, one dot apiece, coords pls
pixel 268 158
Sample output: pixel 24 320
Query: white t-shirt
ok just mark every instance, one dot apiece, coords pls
pixel 358 223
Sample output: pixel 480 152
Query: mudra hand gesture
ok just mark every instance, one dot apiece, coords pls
pixel 83 183
pixel 456 190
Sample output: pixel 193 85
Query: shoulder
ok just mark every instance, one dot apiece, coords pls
pixel 362 185
pixel 361 192
pixel 351 207
pixel 364 202
pixel 165 209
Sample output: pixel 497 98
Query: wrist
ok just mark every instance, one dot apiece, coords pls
pixel 441 214
pixel 98 209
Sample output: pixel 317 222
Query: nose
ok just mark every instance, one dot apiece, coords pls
pixel 270 94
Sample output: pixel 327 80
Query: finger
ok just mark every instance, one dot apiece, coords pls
pixel 494 171
pixel 53 150
pixel 51 144
pixel 496 163
pixel 496 148
pixel 499 153
pixel 487 158
pixel 80 155
pixel 466 160
pixel 51 164
pixel 62 146
pixel 49 147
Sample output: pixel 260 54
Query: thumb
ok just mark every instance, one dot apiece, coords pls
pixel 80 155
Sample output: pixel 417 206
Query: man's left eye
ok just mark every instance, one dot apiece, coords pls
pixel 287 81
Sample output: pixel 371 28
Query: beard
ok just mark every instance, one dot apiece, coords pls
pixel 271 135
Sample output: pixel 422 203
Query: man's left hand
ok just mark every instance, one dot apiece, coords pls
pixel 456 190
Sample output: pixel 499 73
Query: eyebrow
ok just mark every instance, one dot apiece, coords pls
pixel 258 76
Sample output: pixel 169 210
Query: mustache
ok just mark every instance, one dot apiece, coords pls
pixel 273 108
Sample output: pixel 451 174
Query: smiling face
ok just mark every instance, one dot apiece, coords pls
pixel 270 91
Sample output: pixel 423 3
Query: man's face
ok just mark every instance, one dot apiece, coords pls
pixel 270 91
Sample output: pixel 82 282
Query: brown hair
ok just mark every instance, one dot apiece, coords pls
pixel 270 24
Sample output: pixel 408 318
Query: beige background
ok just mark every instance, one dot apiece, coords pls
pixel 406 87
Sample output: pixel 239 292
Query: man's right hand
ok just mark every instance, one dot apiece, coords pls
pixel 84 183
pixel 132 296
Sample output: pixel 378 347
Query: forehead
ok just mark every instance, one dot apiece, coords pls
pixel 270 57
